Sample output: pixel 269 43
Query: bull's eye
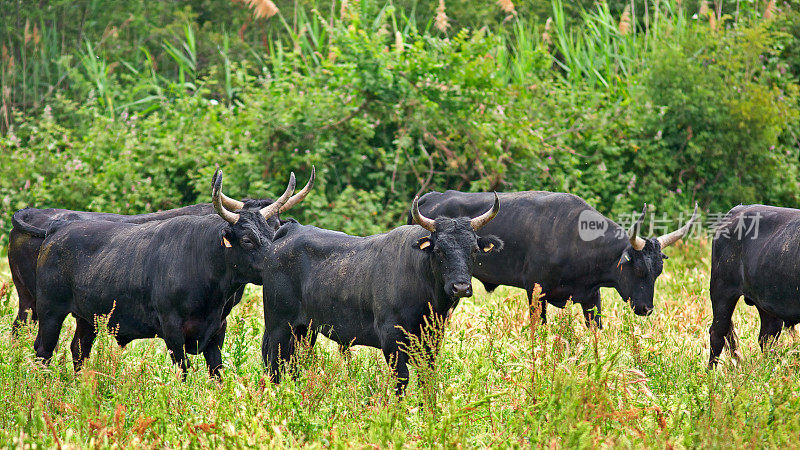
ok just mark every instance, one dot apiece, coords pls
pixel 247 243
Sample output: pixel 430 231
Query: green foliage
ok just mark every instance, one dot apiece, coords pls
pixel 670 111
pixel 719 110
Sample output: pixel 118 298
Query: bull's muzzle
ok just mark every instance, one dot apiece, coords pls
pixel 461 290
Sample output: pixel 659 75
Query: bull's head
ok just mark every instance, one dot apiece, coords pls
pixel 249 232
pixel 642 262
pixel 453 245
pixel 274 220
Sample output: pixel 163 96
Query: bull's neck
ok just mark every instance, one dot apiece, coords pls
pixel 606 257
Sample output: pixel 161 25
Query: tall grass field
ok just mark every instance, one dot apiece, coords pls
pixel 639 382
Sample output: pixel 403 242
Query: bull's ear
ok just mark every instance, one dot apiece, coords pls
pixel 224 240
pixel 425 244
pixel 490 243
pixel 663 256
pixel 624 259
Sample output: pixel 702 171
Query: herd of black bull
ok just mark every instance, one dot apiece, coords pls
pixel 177 274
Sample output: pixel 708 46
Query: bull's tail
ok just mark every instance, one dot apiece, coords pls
pixel 20 225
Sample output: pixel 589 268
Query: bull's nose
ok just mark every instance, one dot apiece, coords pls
pixel 643 310
pixel 462 290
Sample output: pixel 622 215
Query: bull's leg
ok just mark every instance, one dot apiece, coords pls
pixel 732 342
pixel 81 345
pixel 176 345
pixel 792 330
pixel 770 329
pixel 213 351
pixel 397 359
pixel 591 310
pixel 301 335
pixel 277 348
pixel 312 337
pixel 26 303
pixel 265 350
pixel 178 354
pixel 398 362
pixel 432 345
pixel 47 337
pixel 723 303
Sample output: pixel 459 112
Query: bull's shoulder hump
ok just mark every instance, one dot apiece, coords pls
pixel 763 208
pixel 312 237
pixel 199 209
pixel 292 236
pixel 177 225
pixel 482 199
pixel 543 201
pixel 539 197
pixel 404 232
pixel 764 212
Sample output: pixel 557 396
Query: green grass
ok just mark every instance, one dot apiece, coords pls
pixel 639 382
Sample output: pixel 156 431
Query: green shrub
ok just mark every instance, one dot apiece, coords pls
pixel 386 110
pixel 714 117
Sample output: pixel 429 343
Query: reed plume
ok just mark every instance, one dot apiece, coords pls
pixel 440 22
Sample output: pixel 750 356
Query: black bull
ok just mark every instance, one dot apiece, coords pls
pixel 174 278
pixel 755 254
pixel 544 245
pixel 368 290
pixel 30 225
pixel 24 245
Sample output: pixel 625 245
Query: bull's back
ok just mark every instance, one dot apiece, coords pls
pixel 540 230
pixel 549 214
pixel 42 218
pixel 102 260
pixel 81 257
pixel 330 263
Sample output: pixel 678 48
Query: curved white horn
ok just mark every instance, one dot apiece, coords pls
pixel 481 221
pixel 633 234
pixel 229 203
pixel 670 238
pixel 216 200
pixel 419 219
pixel 298 197
pixel 274 208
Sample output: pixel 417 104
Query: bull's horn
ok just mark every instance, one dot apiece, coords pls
pixel 216 200
pixel 270 210
pixel 481 221
pixel 633 234
pixel 419 219
pixel 297 198
pixel 229 203
pixel 669 239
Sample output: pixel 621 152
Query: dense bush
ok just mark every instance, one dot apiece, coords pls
pixel 719 108
pixel 687 110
